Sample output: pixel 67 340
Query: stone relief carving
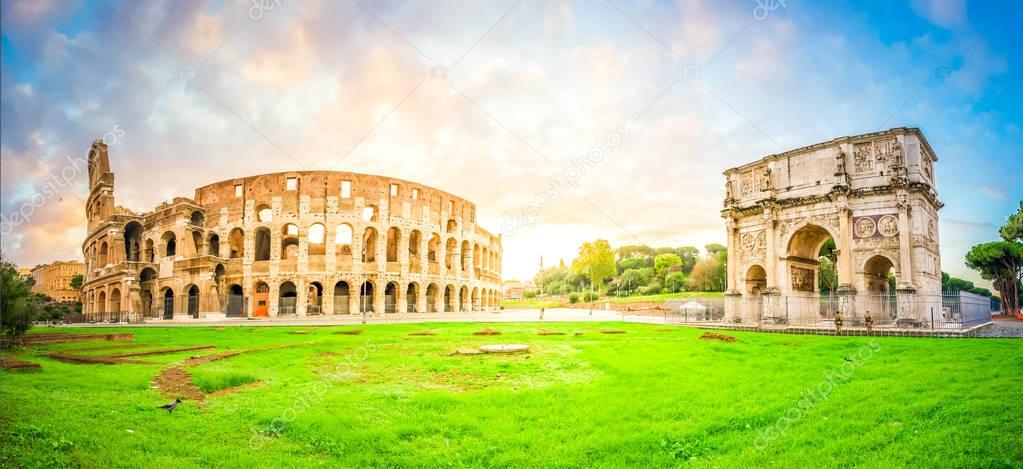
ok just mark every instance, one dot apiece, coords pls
pixel 762 240
pixel 862 161
pixel 888 225
pixel 829 219
pixel 746 185
pixel 876 242
pixel 840 161
pixel 865 227
pixel 747 241
pixel 802 279
pixel 765 179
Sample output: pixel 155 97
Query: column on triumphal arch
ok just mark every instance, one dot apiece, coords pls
pixel 733 246
pixel 905 245
pixel 845 248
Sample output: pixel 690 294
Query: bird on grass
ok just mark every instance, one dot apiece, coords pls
pixel 170 407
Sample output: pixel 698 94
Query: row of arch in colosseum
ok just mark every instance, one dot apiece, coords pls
pixel 290 242
pixel 288 296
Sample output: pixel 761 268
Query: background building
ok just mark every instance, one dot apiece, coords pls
pixel 314 242
pixel 54 280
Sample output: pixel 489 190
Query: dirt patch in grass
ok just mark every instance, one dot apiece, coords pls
pixel 107 347
pixel 718 337
pixel 63 337
pixel 546 332
pixel 298 332
pixel 122 357
pixel 177 381
pixel 349 332
pixel 232 390
pixel 466 351
pixel 487 331
pixel 13 364
pixel 612 331
pixel 426 332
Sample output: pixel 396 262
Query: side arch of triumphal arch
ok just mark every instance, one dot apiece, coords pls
pixel 873 195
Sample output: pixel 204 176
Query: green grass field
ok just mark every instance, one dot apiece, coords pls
pixel 651 397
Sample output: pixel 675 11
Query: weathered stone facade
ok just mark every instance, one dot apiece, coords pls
pixel 873 194
pixel 311 242
pixel 54 280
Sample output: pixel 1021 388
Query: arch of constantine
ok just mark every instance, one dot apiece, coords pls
pixel 873 195
pixel 297 243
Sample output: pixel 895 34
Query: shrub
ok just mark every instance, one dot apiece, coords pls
pixel 529 294
pixel 665 291
pixel 573 298
pixel 590 296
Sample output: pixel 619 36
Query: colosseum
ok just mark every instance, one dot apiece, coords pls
pixel 296 243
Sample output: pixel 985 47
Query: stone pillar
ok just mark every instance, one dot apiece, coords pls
pixel 404 259
pixel 905 247
pixel 733 245
pixel 327 305
pixel 421 299
pixel 401 299
pixel 302 297
pixel 378 296
pixel 845 249
pixel 381 260
pixel 441 258
pixel 353 299
pixel 771 254
pixel 424 255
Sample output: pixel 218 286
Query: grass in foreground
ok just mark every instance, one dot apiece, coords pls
pixel 649 397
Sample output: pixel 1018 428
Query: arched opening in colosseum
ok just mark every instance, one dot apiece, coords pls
pixel 805 254
pixel 390 297
pixel 236 243
pixel 463 299
pixel 115 302
pixel 150 252
pixel 261 300
pixel 197 219
pixel 168 303
pixel 261 244
pixel 169 243
pixel 432 247
pixel 485 259
pixel 147 280
pixel 289 242
pixel 366 297
pixel 393 235
pixel 317 238
pixel 414 259
pixel 193 301
pixel 756 280
pixel 101 305
pixel 475 299
pixel 412 297
pixel 476 259
pixel 132 241
pixel 219 273
pixel 196 244
pixel 343 246
pixel 103 254
pixel 314 298
pixel 466 256
pixel 369 245
pixel 452 226
pixel 213 245
pixel 450 297
pixel 452 252
pixel 264 213
pixel 369 213
pixel 288 301
pixel 431 298
pixel 341 298
pixel 235 301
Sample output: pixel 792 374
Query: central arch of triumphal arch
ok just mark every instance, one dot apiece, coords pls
pixel 872 194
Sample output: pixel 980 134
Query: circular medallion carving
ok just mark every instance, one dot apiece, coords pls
pixel 747 241
pixel 865 227
pixel 888 226
pixel 761 239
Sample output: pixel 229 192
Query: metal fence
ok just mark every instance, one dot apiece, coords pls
pixel 947 311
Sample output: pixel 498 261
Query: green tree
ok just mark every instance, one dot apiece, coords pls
pixel 596 261
pixel 828 259
pixel 1013 229
pixel 689 256
pixel 703 276
pixel 633 279
pixel 675 281
pixel 626 252
pixel 714 248
pixel 76 281
pixel 1001 262
pixel 18 306
pixel 633 263
pixel 665 263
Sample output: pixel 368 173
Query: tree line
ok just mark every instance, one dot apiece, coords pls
pixel 20 308
pixel 1001 262
pixel 636 269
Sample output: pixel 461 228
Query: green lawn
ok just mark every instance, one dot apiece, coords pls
pixel 652 397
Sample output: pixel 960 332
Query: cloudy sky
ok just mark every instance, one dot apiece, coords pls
pixel 492 100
